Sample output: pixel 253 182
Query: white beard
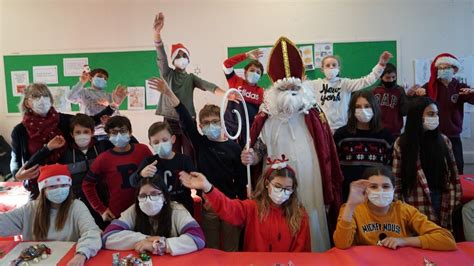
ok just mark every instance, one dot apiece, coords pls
pixel 288 102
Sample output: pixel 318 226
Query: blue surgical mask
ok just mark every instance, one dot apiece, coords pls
pixel 252 77
pixel 57 195
pixel 120 140
pixel 163 149
pixel 99 83
pixel 212 131
pixel 446 74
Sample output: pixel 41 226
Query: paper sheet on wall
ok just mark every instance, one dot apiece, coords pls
pixel 136 98
pixel 422 71
pixel 20 80
pixel 59 98
pixel 264 58
pixel 152 96
pixel 466 126
pixel 73 67
pixel 465 73
pixel 58 250
pixel 320 51
pixel 307 56
pixel 45 74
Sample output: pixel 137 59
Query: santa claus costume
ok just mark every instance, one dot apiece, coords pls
pixel 291 123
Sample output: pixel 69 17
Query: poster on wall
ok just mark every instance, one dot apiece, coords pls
pixel 307 56
pixel 152 96
pixel 60 103
pixel 321 50
pixel 136 98
pixel 73 67
pixel 264 59
pixel 20 79
pixel 45 74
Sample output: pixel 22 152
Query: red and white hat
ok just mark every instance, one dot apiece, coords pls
pixel 175 48
pixel 278 164
pixel 54 174
pixel 444 58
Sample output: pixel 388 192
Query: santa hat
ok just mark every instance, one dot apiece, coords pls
pixel 444 58
pixel 55 174
pixel 285 62
pixel 175 48
pixel 277 164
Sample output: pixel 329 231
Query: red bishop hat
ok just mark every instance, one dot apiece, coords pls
pixel 285 61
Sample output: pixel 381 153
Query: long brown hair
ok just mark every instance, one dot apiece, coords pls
pixel 292 208
pixel 375 123
pixel 42 215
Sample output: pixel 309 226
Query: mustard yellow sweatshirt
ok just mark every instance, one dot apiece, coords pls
pixel 402 220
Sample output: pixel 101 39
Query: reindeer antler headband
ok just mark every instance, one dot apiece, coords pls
pixel 278 164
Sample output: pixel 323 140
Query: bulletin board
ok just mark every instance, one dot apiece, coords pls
pixel 128 68
pixel 357 58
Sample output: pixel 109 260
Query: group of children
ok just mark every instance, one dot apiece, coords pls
pixel 142 199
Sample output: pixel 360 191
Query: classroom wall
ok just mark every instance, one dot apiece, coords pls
pixel 423 28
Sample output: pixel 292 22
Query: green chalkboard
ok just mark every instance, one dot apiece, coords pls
pixel 129 68
pixel 357 58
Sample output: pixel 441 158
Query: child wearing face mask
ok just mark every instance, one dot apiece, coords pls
pixel 167 163
pixel 40 124
pixel 333 92
pixel 55 216
pixel 253 94
pixel 424 165
pixel 154 224
pixel 91 101
pixel 450 94
pixel 274 219
pixel 371 217
pixel 113 169
pixel 218 158
pixel 363 142
pixel 78 156
pixel 392 100
pixel 181 82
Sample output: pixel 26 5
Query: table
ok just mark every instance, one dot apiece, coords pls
pixel 467 184
pixel 13 196
pixel 360 255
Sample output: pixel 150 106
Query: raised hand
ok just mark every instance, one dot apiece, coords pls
pixel 85 77
pixel 56 142
pixel 195 180
pixel 149 170
pixel 26 174
pixel 254 54
pixel 384 58
pixel 119 94
pixel 357 194
pixel 466 91
pixel 160 85
pixel 159 23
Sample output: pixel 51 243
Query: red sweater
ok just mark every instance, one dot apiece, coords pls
pixel 272 234
pixel 393 105
pixel 114 169
pixel 451 106
pixel 252 94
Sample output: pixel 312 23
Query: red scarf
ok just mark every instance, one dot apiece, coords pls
pixel 41 130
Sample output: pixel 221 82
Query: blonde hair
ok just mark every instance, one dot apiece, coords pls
pixel 32 91
pixel 292 209
pixel 335 57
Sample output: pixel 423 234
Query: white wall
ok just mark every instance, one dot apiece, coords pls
pixel 207 27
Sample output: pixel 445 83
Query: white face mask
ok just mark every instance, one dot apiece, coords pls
pixel 430 122
pixel 151 207
pixel 57 195
pixel 181 63
pixel 364 115
pixel 380 198
pixel 163 149
pixel 278 197
pixel 41 105
pixel 82 140
pixel 331 73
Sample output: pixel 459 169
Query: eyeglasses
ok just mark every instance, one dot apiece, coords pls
pixel 154 196
pixel 121 131
pixel 278 188
pixel 215 122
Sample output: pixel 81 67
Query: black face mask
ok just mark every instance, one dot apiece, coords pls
pixel 389 84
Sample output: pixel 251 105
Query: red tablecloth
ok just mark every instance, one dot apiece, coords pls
pixel 12 196
pixel 467 184
pixel 361 255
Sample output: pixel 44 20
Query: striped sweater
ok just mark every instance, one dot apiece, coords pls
pixel 186 234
